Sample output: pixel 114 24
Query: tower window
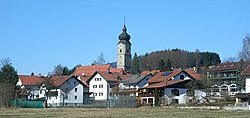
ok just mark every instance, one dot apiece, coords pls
pixel 120 50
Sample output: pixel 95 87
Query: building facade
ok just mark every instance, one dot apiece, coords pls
pixel 225 78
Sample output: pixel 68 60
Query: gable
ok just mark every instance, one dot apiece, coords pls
pixel 97 78
pixel 182 76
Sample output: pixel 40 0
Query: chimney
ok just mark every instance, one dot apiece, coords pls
pixel 195 69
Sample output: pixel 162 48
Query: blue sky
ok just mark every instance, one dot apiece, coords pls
pixel 39 34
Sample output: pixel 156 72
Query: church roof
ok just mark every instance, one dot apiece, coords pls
pixel 124 35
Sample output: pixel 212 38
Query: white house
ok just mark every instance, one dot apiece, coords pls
pixel 133 83
pixel 67 91
pixel 101 84
pixel 171 88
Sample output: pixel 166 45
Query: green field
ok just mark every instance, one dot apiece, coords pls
pixel 144 112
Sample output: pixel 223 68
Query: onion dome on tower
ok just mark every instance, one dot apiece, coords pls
pixel 124 35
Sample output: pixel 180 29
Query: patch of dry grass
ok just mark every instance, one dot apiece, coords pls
pixel 145 112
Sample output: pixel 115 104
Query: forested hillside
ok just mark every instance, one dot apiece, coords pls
pixel 176 58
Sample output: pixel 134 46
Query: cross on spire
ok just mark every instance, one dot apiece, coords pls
pixel 124 20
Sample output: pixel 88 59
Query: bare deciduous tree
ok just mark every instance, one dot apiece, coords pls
pixel 245 50
pixel 58 70
pixel 230 59
pixel 100 60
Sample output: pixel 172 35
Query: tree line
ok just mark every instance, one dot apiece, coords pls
pixel 174 58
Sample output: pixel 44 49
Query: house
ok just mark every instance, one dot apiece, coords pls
pixel 133 83
pixel 226 78
pixel 172 88
pixel 30 86
pixel 66 91
pixel 245 96
pixel 102 82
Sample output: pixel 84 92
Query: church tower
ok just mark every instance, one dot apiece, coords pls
pixel 124 50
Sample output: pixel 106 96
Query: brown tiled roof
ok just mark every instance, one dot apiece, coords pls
pixel 225 66
pixel 194 74
pixel 56 81
pixel 246 72
pixel 59 80
pixel 113 77
pixel 165 83
pixel 153 72
pixel 28 80
pixel 22 92
pixel 159 81
pixel 90 70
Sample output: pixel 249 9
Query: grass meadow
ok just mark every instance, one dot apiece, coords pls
pixel 143 112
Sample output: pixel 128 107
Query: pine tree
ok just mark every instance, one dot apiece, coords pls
pixel 8 74
pixel 135 69
pixel 8 80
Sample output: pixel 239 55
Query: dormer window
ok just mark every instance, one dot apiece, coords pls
pixel 181 77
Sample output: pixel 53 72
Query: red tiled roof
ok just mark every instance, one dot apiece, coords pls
pixel 116 70
pixel 28 80
pixel 153 72
pixel 90 70
pixel 158 77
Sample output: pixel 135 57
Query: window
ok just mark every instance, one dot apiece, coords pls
pixel 120 50
pixel 175 92
pixel 75 82
pixel 94 86
pixel 101 94
pixel 66 89
pixel 95 94
pixel 175 101
pixel 215 89
pixel 100 86
pixel 181 77
pixel 67 82
pixel 75 89
pixel 233 88
pixel 98 79
pixel 41 91
pixel 224 88
pixel 190 92
pixel 56 97
pixel 66 97
pixel 75 97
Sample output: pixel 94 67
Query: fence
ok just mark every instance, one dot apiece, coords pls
pixel 119 102
pixel 28 104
